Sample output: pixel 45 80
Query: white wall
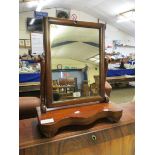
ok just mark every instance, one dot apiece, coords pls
pixel 111 32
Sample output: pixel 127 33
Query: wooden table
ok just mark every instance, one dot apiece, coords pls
pixel 120 79
pixel 100 138
pixel 29 86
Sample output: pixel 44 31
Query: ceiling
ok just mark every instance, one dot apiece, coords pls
pixel 74 43
pixel 72 51
pixel 61 33
pixel 106 10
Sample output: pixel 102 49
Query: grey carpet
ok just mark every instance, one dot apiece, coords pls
pixel 122 95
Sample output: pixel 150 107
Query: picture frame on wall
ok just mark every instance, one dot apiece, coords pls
pixel 27 43
pixel 21 43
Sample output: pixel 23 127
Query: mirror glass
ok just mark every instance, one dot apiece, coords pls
pixel 74 62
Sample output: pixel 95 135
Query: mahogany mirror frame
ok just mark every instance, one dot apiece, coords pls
pixel 46 82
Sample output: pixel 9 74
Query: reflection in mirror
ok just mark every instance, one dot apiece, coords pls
pixel 75 62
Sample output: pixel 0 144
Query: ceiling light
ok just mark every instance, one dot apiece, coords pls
pixel 40 5
pixel 92 59
pixel 122 7
pixel 126 16
pixel 32 21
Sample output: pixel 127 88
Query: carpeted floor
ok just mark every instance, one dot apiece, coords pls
pixel 122 95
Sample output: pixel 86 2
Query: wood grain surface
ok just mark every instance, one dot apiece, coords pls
pixel 111 138
pixel 82 115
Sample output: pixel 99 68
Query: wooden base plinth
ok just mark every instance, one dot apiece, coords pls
pixel 51 121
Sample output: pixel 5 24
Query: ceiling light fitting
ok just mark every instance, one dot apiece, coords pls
pixel 39 7
pixel 126 16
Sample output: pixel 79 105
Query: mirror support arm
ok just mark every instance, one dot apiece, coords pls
pixel 48 78
pixel 42 90
pixel 41 59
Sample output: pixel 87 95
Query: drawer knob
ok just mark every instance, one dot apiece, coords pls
pixel 93 137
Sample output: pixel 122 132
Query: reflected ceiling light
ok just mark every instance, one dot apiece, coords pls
pixel 97 57
pixel 97 61
pixel 92 59
pixel 56 31
pixel 126 16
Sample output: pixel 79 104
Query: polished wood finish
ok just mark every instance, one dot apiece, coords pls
pixel 82 115
pixel 42 87
pixel 118 146
pixel 59 21
pixel 48 95
pixel 101 63
pixel 111 138
pixel 48 78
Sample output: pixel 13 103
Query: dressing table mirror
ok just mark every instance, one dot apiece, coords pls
pixel 77 49
pixel 73 75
